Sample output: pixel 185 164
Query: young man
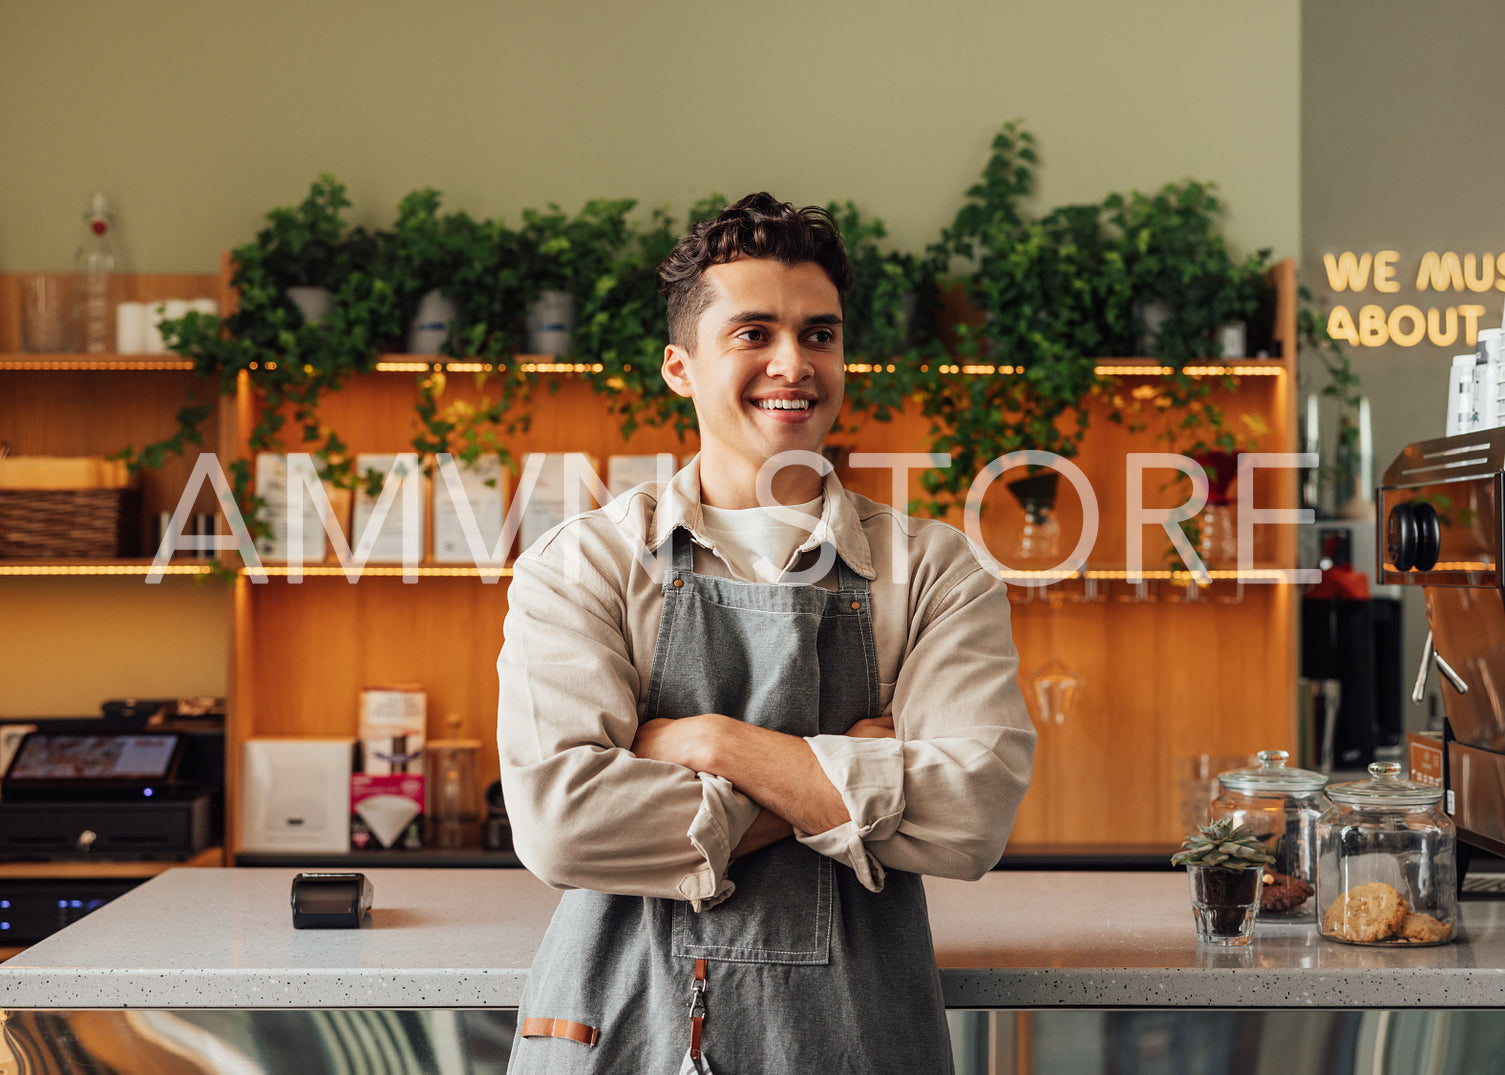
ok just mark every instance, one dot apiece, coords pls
pixel 740 757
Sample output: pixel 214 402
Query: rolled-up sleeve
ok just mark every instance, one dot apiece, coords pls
pixel 586 812
pixel 941 797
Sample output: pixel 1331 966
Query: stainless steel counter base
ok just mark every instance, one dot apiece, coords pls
pixel 436 1042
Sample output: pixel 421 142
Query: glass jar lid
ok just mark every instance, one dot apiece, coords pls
pixel 1385 787
pixel 1272 776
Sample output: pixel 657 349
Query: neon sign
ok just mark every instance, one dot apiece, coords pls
pixel 1410 324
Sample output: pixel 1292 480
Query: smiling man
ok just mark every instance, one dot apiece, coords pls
pixel 740 757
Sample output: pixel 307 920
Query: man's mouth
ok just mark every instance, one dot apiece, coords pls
pixel 784 404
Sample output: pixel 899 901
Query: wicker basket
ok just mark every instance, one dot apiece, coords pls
pixel 85 523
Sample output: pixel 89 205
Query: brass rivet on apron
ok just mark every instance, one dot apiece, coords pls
pixel 856 604
pixel 679 582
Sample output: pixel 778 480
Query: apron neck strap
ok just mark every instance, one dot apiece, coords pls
pixel 682 561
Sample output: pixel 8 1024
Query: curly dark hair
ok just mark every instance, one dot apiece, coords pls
pixel 757 226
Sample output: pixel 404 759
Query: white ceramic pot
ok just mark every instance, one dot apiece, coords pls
pixel 1154 314
pixel 431 323
pixel 1233 340
pixel 314 303
pixel 551 323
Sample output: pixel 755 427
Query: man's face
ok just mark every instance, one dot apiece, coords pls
pixel 766 375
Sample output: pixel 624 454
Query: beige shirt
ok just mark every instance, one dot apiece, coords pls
pixel 583 614
pixel 755 543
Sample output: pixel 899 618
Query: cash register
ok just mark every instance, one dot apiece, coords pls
pixel 71 793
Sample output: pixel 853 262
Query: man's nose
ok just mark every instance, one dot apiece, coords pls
pixel 787 360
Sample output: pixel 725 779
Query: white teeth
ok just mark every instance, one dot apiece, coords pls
pixel 783 404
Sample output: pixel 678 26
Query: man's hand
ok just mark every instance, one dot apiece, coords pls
pixel 683 741
pixel 873 728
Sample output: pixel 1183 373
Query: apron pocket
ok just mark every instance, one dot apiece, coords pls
pixel 780 913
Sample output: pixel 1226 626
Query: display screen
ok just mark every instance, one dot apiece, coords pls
pixel 93 757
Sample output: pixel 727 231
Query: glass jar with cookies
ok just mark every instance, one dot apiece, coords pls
pixel 1280 807
pixel 1386 863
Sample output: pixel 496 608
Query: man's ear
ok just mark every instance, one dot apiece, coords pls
pixel 675 374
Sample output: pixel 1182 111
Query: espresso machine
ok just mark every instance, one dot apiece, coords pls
pixel 1442 510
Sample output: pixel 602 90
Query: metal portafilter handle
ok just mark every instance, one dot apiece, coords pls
pixel 1429 657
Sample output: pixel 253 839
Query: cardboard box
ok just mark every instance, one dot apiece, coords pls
pixel 386 811
pixel 393 727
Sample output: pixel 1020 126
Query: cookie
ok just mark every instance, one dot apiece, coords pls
pixel 1424 929
pixel 1366 913
pixel 1282 892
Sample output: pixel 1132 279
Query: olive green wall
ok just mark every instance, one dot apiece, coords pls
pixel 199 117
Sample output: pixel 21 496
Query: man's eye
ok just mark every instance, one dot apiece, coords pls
pixel 752 335
pixel 823 335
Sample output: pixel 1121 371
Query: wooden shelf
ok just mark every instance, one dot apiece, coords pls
pixel 95 363
pixel 1160 678
pixel 423 570
pixel 132 566
pixel 124 287
pixel 92 869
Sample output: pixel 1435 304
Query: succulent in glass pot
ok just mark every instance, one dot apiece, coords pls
pixel 1225 863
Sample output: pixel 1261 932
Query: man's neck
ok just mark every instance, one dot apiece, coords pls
pixel 731 489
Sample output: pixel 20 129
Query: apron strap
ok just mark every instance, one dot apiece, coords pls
pixel 681 560
pixel 534 1027
pixel 847 580
pixel 697 1008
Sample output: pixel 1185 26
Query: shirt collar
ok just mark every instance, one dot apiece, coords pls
pixel 839 525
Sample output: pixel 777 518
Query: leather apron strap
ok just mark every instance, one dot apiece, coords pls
pixel 697 1008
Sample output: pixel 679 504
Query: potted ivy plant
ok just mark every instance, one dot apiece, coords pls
pixel 1185 284
pixel 1048 296
pixel 309 247
pixel 561 257
pixel 291 359
pixel 422 255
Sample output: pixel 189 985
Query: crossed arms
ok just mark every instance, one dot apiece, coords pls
pixel 598 801
pixel 779 772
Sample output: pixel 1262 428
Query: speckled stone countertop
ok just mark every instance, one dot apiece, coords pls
pixel 204 938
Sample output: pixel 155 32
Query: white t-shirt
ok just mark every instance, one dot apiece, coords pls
pixel 744 536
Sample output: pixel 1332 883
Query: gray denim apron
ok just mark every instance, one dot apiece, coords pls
pixel 807 971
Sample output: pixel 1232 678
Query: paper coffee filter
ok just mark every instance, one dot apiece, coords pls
pixel 387 816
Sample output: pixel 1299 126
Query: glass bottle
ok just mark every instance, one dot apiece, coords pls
pixel 94 264
pixel 1039 543
pixel 454 807
pixel 1386 863
pixel 1218 546
pixel 1281 807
